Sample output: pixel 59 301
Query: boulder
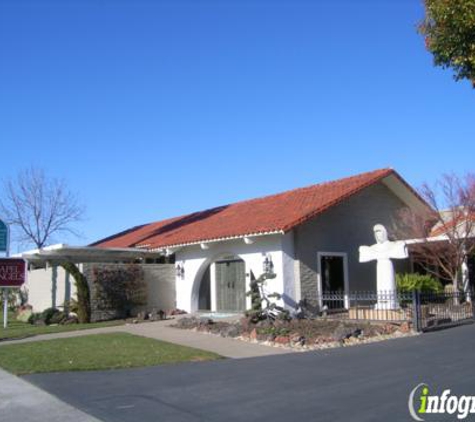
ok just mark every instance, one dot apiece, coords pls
pixel 405 327
pixel 298 340
pixel 24 314
pixel 284 340
pixel 343 333
pixel 232 330
pixel 187 323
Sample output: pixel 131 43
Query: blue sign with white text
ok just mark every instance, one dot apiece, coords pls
pixel 3 237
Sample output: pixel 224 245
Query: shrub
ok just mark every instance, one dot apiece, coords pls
pixel 36 316
pixel 50 314
pixel 410 282
pixel 71 305
pixel 58 318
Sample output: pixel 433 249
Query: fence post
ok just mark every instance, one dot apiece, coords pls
pixel 416 310
pixel 472 297
pixel 356 307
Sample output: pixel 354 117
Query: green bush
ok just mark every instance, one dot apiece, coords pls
pixel 58 318
pixel 50 314
pixel 35 316
pixel 410 282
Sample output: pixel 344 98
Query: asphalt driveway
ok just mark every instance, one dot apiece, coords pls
pixel 363 383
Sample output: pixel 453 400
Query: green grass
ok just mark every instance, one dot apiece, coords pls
pixel 17 329
pixel 95 352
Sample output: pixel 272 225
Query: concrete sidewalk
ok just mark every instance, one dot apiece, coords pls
pixel 227 347
pixel 161 330
pixel 21 401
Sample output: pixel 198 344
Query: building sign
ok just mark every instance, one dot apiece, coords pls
pixel 3 237
pixel 12 272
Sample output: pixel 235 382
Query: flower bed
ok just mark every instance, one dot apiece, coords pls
pixel 305 334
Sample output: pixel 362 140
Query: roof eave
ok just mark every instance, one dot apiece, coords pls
pixel 213 240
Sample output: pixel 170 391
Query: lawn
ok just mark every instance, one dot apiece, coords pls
pixel 95 352
pixel 17 329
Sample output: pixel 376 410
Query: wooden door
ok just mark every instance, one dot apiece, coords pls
pixel 230 286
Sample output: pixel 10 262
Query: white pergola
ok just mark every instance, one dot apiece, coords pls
pixel 62 253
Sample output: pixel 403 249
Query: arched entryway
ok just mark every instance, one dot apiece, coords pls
pixel 223 285
pixel 204 296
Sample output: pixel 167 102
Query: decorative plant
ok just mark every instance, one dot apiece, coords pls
pixel 82 291
pixel 262 305
pixel 71 305
pixel 418 282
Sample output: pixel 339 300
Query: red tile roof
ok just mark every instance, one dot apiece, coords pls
pixel 465 222
pixel 275 213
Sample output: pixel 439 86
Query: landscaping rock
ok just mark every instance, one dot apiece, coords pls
pixel 271 338
pixel 233 330
pixel 206 321
pixel 298 340
pixel 71 320
pixel 187 323
pixel 299 333
pixel 343 333
pixel 142 316
pixel 153 315
pixel 177 312
pixel 265 323
pixel 323 340
pixel 262 337
pixel 284 340
pixel 389 329
pixel 246 323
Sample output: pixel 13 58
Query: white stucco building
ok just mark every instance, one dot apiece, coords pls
pixel 309 237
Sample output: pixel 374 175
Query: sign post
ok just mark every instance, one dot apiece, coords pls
pixel 5 307
pixel 5 247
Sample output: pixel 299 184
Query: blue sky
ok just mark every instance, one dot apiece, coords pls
pixel 152 109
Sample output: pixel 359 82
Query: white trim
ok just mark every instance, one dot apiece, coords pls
pixel 220 239
pixel 346 280
pixel 405 194
pixel 61 252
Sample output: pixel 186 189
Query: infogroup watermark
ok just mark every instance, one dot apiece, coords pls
pixel 422 404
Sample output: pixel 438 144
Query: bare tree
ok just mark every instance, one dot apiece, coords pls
pixel 39 207
pixel 444 235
